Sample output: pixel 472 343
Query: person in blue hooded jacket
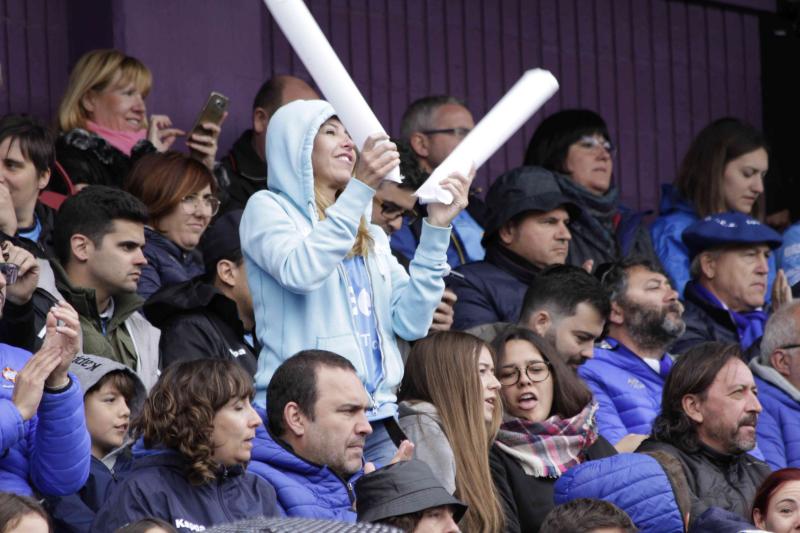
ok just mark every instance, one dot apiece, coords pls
pixel 197 429
pixel 777 376
pixel 321 276
pixel 723 170
pixel 44 445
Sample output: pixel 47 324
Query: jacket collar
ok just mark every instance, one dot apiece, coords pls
pixel 84 301
pixel 773 377
pixel 245 160
pixel 514 264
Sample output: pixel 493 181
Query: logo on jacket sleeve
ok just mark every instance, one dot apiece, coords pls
pixel 9 374
pixel 635 383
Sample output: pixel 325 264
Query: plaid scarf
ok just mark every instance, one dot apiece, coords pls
pixel 551 447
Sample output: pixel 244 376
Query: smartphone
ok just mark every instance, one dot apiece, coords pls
pixel 213 111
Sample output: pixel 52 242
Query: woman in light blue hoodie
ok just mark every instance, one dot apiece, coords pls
pixel 320 275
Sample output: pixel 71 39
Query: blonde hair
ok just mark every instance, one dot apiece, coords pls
pixel 95 71
pixel 363 239
pixel 442 369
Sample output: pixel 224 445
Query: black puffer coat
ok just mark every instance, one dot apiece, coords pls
pixel 715 479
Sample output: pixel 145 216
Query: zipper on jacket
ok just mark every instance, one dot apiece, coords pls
pixel 379 331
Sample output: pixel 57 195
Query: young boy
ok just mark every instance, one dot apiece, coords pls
pixel 112 393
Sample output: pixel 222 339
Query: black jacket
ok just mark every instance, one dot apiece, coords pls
pixel 88 158
pixel 528 499
pixel 716 479
pixel 196 322
pixel 241 173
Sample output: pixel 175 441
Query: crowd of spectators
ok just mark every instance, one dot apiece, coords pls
pixel 188 340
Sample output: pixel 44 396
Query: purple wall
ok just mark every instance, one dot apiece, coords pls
pixel 657 70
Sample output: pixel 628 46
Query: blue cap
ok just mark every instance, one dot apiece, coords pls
pixel 728 229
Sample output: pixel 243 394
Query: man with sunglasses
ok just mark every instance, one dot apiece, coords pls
pixel 433 127
pixel 777 376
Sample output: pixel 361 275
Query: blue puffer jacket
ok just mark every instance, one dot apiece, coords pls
pixel 303 489
pixel 49 453
pixel 636 483
pixel 675 215
pixel 167 264
pixel 157 487
pixel 778 427
pixel 626 388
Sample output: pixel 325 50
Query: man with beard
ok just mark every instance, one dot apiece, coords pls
pixel 708 422
pixel 729 269
pixel 628 370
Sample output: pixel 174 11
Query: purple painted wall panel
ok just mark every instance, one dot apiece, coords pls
pixel 657 70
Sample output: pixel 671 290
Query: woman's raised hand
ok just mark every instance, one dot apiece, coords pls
pixel 378 157
pixel 458 185
pixel 161 133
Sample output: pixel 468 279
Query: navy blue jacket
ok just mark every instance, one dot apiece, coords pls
pixel 627 390
pixel 486 294
pixel 75 513
pixel 636 483
pixel 778 428
pixel 167 264
pixel 303 489
pixel 157 487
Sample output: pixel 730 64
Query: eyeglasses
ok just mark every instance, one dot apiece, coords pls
pixel 391 210
pixel 191 203
pixel 10 272
pixel 536 372
pixel 789 346
pixel 458 132
pixel 590 142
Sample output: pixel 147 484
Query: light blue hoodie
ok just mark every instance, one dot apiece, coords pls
pixel 294 263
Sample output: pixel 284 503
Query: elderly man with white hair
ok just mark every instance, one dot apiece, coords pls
pixel 777 375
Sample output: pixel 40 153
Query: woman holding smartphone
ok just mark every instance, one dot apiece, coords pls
pixel 321 276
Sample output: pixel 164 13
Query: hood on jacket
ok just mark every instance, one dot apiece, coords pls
pixel 773 377
pixel 408 408
pixel 90 369
pixel 673 202
pixel 290 142
pixel 636 483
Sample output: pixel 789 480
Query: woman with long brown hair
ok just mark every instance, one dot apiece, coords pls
pixel 450 409
pixel 549 425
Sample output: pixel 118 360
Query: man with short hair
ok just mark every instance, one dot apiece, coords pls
pixel 777 376
pixel 526 231
pixel 99 236
pixel 244 169
pixel 628 370
pixel 433 127
pixel 708 422
pixel 583 515
pixel 316 426
pixel 210 315
pixel 26 154
pixel 729 269
pixel 568 307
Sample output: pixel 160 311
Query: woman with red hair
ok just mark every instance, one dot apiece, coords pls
pixel 776 506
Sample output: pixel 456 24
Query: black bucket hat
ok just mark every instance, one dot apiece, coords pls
pixel 402 488
pixel 523 189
